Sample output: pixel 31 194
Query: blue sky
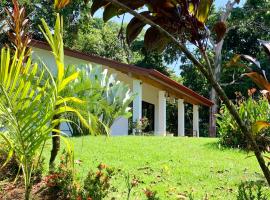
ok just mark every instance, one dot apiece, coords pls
pixel 176 65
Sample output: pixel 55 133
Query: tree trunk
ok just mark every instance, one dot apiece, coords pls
pixel 212 113
pixel 55 143
pixel 217 71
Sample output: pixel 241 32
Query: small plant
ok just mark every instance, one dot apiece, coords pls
pixel 140 125
pixel 151 195
pixel 250 191
pixel 61 181
pixel 131 184
pixel 97 184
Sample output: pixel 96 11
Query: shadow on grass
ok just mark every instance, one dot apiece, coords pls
pixel 218 146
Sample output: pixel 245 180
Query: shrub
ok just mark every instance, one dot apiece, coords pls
pixel 250 112
pixel 130 184
pixel 250 191
pixel 61 181
pixel 140 125
pixel 97 184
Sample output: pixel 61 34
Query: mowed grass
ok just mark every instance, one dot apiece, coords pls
pixel 171 166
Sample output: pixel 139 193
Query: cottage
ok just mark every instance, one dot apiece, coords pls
pixel 152 90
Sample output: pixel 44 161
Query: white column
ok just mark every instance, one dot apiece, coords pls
pixel 161 126
pixel 137 102
pixel 196 121
pixel 181 118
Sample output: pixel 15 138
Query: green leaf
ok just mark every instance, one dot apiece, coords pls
pixel 67 80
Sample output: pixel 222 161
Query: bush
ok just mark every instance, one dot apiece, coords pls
pixel 250 112
pixel 250 191
pixel 97 184
pixel 60 183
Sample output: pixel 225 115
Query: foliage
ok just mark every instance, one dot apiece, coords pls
pixel 140 125
pixel 61 181
pixel 251 191
pixel 97 184
pixel 30 98
pixel 250 111
pixel 55 41
pixel 148 59
pixel 95 37
pixel 242 37
pixel 190 16
pixel 38 9
pixel 18 26
pixel 131 184
pixel 11 169
pixel 106 99
pixel 26 109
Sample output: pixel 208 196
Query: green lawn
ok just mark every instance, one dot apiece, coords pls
pixel 170 166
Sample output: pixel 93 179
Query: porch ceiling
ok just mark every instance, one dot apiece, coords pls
pixel 149 76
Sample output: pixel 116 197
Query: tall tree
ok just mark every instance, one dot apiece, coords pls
pixel 217 45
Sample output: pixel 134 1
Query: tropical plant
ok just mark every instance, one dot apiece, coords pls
pixel 29 101
pixel 26 110
pixel 18 25
pixel 106 99
pixel 56 43
pixel 178 22
pixel 251 111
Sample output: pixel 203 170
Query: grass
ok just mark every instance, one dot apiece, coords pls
pixel 170 166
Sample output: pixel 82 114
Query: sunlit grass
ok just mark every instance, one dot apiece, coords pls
pixel 171 166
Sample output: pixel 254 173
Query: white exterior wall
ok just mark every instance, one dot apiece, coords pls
pixel 137 102
pixel 196 121
pixel 181 117
pixel 161 112
pixel 120 126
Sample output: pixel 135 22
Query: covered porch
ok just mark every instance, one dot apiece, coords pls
pixel 155 100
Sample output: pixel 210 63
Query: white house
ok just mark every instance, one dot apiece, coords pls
pixel 153 89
